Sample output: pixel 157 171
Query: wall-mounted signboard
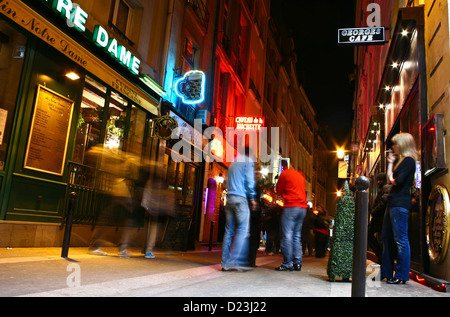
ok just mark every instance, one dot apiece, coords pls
pixel 362 36
pixel 437 224
pixel 49 133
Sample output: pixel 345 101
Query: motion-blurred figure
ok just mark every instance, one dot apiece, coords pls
pixel 118 175
pixel 377 212
pixel 158 200
pixel 241 193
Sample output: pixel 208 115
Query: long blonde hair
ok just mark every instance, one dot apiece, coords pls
pixel 406 145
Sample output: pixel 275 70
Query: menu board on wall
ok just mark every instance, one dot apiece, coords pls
pixel 49 132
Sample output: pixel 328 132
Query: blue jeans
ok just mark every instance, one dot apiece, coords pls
pixel 395 243
pixel 237 213
pixel 291 226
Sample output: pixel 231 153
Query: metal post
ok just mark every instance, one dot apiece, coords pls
pixel 211 231
pixel 360 238
pixel 68 230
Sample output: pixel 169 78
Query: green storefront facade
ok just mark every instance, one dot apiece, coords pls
pixel 49 121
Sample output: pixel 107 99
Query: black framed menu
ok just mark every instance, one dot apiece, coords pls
pixel 49 132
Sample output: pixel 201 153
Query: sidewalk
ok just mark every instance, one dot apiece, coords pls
pixel 41 272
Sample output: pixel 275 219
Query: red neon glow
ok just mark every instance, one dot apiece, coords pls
pixel 249 123
pixel 420 279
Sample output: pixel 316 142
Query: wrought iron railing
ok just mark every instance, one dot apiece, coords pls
pixel 94 189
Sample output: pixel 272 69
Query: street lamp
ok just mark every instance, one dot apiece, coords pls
pixel 340 153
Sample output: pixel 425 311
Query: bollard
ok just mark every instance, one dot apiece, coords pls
pixel 360 238
pixel 68 230
pixel 211 231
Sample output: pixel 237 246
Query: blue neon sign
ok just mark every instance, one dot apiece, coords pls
pixel 191 87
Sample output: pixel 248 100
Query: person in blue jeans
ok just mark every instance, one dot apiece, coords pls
pixel 241 186
pixel 291 185
pixel 395 223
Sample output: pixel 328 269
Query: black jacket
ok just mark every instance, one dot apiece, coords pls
pixel 400 195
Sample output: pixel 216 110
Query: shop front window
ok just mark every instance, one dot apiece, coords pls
pixel 92 132
pixel 89 121
pixel 12 53
pixel 115 126
pixel 136 134
pixel 190 182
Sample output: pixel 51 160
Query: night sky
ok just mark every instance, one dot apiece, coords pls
pixel 323 66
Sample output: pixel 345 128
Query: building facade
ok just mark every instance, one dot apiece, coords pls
pixel 147 79
pixel 50 119
pixel 287 107
pixel 401 87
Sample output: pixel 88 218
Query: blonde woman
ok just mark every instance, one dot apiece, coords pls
pixel 401 167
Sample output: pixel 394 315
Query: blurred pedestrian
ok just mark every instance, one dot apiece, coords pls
pixel 377 214
pixel 120 170
pixel 321 229
pixel 291 185
pixel 159 201
pixel 401 169
pixel 271 225
pixel 241 198
pixel 307 227
pixel 255 220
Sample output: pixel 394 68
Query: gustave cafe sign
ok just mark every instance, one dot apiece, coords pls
pixel 76 18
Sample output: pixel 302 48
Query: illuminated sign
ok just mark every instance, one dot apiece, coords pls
pixel 191 87
pixel 164 127
pixel 362 36
pixel 118 52
pixel 76 18
pixel 249 123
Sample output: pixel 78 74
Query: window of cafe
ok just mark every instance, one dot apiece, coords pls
pixel 107 119
pixel 12 53
pixel 181 178
pixel 98 124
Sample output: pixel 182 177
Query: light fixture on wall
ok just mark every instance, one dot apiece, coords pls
pixel 72 76
pixel 220 179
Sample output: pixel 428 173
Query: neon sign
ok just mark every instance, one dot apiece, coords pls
pixel 374 35
pixel 191 87
pixel 249 123
pixel 76 18
pixel 118 52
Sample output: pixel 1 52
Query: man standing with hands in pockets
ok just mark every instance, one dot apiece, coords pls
pixel 241 192
pixel 291 185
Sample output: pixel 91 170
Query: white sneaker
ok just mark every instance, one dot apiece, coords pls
pixel 98 252
pixel 124 254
